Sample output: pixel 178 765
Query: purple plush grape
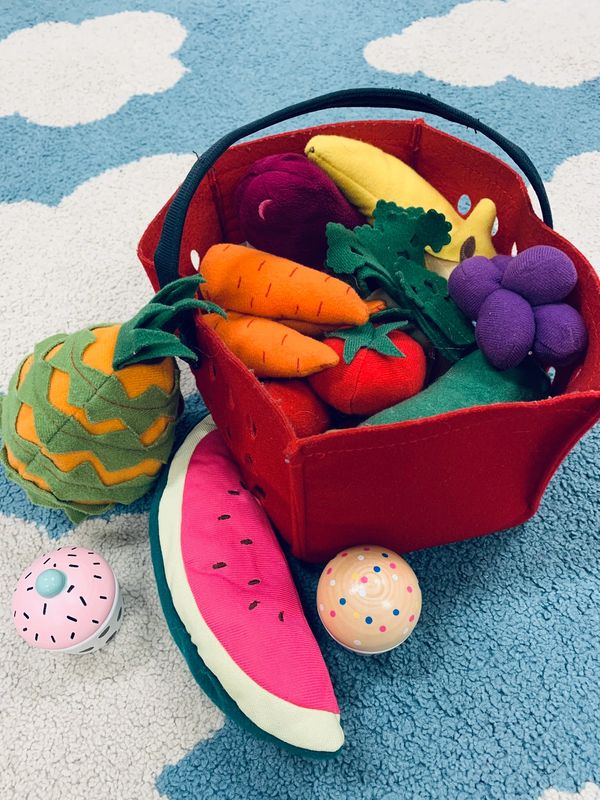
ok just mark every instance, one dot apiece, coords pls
pixel 501 261
pixel 285 202
pixel 471 283
pixel 560 334
pixel 540 274
pixel 505 329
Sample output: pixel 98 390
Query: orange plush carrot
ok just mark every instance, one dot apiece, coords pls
pixel 313 329
pixel 253 282
pixel 269 348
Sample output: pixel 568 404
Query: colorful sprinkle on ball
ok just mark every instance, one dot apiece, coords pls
pixel 369 599
pixel 68 601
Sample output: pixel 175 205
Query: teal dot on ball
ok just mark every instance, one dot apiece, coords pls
pixel 50 582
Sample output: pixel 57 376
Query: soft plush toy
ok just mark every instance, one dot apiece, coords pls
pixel 268 298
pixel 516 303
pixel 231 604
pixel 307 414
pixel 390 256
pixel 379 366
pixel 284 203
pixel 472 381
pixel 366 174
pixel 89 418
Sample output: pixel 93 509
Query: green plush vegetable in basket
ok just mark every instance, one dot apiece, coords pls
pixel 473 381
pixel 391 255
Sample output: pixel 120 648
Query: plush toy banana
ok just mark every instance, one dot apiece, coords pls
pixel 366 174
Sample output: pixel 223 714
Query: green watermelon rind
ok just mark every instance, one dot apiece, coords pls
pixel 205 678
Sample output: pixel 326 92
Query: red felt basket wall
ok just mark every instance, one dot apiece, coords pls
pixel 413 484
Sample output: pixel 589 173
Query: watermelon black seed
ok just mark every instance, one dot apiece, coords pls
pixel 29 588
pixel 280 615
pixel 28 574
pixel 71 587
pixel 232 491
pixel 245 541
pixel 53 639
pixel 44 609
pixel 219 565
pixel 75 566
pixel 253 582
pixel 46 561
pixel 96 621
pixel 71 555
pixel 72 636
pixel 24 629
pixel 36 636
pixel 26 615
pixel 253 605
pixel 224 516
pixel 82 600
pixel 99 577
pixel 73 619
pixel 103 597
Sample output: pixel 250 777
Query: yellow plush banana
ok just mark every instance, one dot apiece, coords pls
pixel 366 174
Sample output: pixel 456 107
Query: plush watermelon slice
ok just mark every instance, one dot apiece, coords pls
pixel 231 603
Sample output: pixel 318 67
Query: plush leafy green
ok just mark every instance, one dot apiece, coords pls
pixel 390 255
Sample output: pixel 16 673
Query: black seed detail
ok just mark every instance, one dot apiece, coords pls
pixel 82 600
pixel 53 639
pixel 54 565
pixel 71 587
pixel 87 650
pixel 246 541
pixel 219 565
pixel 111 637
pixel 71 555
pixel 103 597
pixel 75 566
pixel 90 552
pixel 96 621
pixel 24 629
pixel 14 613
pixel 26 615
pixel 120 614
pixel 280 615
pixel 232 491
pixel 73 619
pixel 72 636
pixel 224 516
pixel 253 582
pixel 29 588
pixel 253 605
pixel 28 574
pixel 95 563
pixel 99 577
pixel 74 548
pixel 104 632
pixel 46 561
pixel 44 609
pixel 36 636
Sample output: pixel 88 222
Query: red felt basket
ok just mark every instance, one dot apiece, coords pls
pixel 412 484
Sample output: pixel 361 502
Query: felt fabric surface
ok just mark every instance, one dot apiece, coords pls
pixel 494 696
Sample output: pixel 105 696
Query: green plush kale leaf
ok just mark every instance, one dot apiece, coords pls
pixel 390 255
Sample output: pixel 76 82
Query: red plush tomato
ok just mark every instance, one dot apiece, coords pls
pixel 308 415
pixel 379 366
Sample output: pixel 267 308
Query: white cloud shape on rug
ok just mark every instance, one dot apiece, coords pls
pixel 81 724
pixel 62 74
pixel 574 194
pixel 589 791
pixel 68 266
pixel 544 42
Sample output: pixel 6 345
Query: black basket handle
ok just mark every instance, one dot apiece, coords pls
pixel 166 257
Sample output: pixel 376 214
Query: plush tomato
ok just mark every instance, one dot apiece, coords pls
pixel 307 414
pixel 379 366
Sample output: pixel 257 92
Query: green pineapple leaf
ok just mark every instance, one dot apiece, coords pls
pixel 150 334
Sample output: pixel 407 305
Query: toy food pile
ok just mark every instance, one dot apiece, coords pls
pixel 365 298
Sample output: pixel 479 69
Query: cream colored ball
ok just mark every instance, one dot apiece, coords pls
pixel 369 599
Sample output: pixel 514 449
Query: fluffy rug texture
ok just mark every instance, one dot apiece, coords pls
pixel 496 694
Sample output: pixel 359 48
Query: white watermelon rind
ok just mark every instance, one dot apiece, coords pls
pixel 305 731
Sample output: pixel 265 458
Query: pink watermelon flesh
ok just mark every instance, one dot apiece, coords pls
pixel 242 585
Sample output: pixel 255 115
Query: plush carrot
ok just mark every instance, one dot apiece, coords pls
pixel 253 282
pixel 269 348
pixel 313 329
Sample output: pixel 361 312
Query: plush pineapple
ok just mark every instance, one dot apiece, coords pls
pixel 89 417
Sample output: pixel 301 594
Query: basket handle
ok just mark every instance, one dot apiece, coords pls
pixel 166 256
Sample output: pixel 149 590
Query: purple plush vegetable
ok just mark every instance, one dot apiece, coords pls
pixel 516 304
pixel 284 204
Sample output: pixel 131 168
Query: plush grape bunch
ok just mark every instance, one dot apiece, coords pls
pixel 515 302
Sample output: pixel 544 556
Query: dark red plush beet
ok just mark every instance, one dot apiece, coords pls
pixel 284 203
pixel 372 381
pixel 307 413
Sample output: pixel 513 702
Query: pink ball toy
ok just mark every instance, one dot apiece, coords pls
pixel 68 601
pixel 369 599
